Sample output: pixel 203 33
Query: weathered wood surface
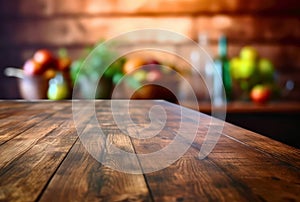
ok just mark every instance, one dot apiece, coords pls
pixel 42 158
pixel 272 27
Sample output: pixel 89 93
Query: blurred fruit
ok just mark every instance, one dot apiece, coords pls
pixel 265 69
pixel 152 64
pixel 31 67
pixel 154 75
pixel 63 64
pixel 43 57
pixel 58 88
pixel 260 93
pixel 41 68
pixel 248 53
pixel 247 69
pixel 49 74
pixel 132 64
pixel 234 67
pixel 140 75
pixel 63 60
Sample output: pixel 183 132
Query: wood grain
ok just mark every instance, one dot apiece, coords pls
pixel 167 184
pixel 48 162
pixel 29 159
pixel 82 177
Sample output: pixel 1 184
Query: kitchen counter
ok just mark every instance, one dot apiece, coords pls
pixel 56 151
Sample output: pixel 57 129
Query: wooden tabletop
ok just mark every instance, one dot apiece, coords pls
pixel 43 159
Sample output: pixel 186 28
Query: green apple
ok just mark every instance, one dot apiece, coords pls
pixel 248 53
pixel 58 88
pixel 58 92
pixel 265 69
pixel 140 75
pixel 234 67
pixel 246 69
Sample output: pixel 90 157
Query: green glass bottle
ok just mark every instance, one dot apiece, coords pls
pixel 223 67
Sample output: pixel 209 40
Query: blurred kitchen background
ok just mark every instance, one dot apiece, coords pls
pixel 269 27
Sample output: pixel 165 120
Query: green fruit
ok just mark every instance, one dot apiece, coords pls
pixel 140 75
pixel 234 67
pixel 248 53
pixel 265 68
pixel 58 88
pixel 247 69
pixel 58 92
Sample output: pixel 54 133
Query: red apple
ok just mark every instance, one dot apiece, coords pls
pixel 43 57
pixel 260 93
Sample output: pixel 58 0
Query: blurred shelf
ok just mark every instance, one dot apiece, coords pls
pixel 278 120
pixel 249 107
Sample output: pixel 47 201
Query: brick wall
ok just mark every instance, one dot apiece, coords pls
pixel 271 26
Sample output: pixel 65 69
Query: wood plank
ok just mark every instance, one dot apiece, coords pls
pixel 280 151
pixel 166 192
pixel 226 156
pixel 243 166
pixel 189 179
pixel 248 166
pixel 22 142
pixel 204 180
pixel 25 177
pixel 273 148
pixel 97 181
pixel 29 160
pixel 17 117
pixel 131 7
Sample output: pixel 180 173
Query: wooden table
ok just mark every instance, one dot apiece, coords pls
pixel 43 159
pixel 283 116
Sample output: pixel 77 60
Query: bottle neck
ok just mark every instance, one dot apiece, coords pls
pixel 222 46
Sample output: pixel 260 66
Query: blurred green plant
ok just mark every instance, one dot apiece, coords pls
pixel 95 66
